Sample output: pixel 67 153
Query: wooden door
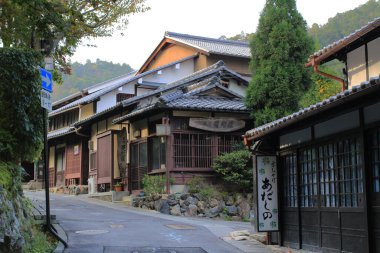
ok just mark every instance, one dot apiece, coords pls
pixel 105 159
pixel 60 165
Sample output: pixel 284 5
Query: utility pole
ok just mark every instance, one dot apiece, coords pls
pixel 46 89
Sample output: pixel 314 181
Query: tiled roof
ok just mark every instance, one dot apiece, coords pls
pixel 331 49
pixel 60 132
pixel 114 84
pixel 96 115
pixel 208 103
pixel 188 96
pixel 215 46
pixel 340 98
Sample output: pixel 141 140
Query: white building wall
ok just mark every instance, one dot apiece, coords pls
pixel 172 73
pixel 235 87
pixel 356 67
pixel 374 57
pixel 109 99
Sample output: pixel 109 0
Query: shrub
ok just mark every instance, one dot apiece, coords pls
pixel 154 184
pixel 235 167
pixel 196 184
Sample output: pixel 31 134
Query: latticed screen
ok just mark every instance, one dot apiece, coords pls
pixel 199 150
pixel 289 164
pixel 339 174
pixel 308 178
pixel 374 142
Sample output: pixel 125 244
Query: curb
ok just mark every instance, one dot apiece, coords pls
pixel 60 247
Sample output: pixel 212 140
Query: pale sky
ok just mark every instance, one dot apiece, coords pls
pixel 209 18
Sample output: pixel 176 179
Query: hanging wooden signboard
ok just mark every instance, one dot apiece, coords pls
pixel 267 199
pixel 217 124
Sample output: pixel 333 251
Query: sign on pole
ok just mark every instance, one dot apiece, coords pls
pixel 46 100
pixel 267 194
pixel 47 80
pixel 47 89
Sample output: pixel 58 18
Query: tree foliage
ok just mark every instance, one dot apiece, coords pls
pixel 345 23
pixel 62 24
pixel 242 36
pixel 235 167
pixel 85 75
pixel 279 49
pixel 20 110
pixel 321 88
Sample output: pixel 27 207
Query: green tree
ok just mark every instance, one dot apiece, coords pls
pixel 279 49
pixel 20 110
pixel 320 88
pixel 62 25
pixel 234 167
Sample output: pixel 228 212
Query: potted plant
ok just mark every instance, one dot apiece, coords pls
pixel 118 187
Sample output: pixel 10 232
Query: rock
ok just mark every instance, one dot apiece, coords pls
pixel 191 201
pixel 229 200
pixel 213 212
pixel 171 196
pixel 197 196
pixel 214 203
pixel 238 199
pixel 158 204
pixel 184 196
pixel 231 210
pixel 165 208
pixel 173 202
pixel 77 190
pixel 182 203
pixel 244 210
pixel 201 206
pixel 156 197
pixel 151 205
pixel 175 210
pixel 183 209
pixel 191 210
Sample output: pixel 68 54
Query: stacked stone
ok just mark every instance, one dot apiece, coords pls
pixel 232 207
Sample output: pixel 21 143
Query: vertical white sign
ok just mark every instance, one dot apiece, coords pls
pixel 267 193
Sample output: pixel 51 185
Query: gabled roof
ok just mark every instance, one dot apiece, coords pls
pixel 329 103
pixel 190 96
pixel 114 84
pixel 202 74
pixel 213 46
pixel 329 52
pixel 202 45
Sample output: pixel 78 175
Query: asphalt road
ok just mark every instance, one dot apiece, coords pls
pixel 97 227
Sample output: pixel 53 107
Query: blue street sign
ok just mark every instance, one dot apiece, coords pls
pixel 47 80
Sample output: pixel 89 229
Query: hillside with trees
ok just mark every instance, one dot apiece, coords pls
pixel 85 75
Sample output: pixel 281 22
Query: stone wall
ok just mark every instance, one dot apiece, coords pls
pixel 12 215
pixel 233 207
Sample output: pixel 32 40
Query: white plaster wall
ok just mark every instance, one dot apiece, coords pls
pixel 374 57
pixel 356 66
pixel 109 99
pixel 171 74
pixel 239 89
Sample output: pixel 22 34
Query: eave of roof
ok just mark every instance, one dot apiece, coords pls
pixel 119 81
pixel 60 132
pixel 329 103
pixel 335 47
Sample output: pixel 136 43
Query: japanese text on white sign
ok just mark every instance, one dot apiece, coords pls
pixel 267 193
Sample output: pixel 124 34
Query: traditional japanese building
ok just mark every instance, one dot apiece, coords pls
pixel 83 142
pixel 329 156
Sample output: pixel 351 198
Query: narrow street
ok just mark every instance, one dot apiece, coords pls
pixel 96 226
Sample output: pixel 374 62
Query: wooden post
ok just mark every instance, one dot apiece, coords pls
pixel 254 192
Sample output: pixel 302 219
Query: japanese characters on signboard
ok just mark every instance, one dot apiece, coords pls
pixel 267 193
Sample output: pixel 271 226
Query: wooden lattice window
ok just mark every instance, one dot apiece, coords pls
pixel 289 166
pixel 374 142
pixel 123 96
pixel 340 173
pixel 227 143
pixel 308 178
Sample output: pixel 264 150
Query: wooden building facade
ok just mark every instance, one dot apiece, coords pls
pixel 328 157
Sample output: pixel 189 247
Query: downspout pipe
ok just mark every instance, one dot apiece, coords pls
pixel 316 70
pixel 80 134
